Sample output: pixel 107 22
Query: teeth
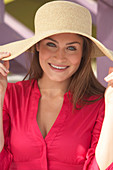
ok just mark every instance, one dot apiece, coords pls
pixel 57 67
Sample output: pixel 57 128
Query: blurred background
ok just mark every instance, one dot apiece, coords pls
pixel 24 10
pixel 17 23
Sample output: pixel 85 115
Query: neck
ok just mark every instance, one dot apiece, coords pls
pixel 53 88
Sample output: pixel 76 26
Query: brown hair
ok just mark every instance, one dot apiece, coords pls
pixel 83 83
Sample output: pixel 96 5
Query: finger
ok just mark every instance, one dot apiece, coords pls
pixel 109 77
pixel 4 55
pixel 2 66
pixel 110 83
pixel 110 70
pixel 6 64
pixel 2 72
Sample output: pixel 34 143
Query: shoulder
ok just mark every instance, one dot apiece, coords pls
pixel 17 93
pixel 22 88
pixel 22 85
pixel 91 102
pixel 97 108
pixel 97 102
pixel 94 106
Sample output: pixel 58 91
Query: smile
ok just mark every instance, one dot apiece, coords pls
pixel 58 67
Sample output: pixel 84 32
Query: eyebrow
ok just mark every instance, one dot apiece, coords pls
pixel 75 42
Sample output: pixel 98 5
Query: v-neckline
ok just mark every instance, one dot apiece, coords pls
pixel 57 123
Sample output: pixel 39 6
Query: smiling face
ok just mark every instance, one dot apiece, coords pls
pixel 60 55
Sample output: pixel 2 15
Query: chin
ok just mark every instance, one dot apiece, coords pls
pixel 62 79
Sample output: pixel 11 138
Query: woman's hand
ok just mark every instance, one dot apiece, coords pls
pixel 104 148
pixel 109 90
pixel 4 70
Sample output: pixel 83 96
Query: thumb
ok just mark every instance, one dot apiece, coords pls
pixel 6 64
pixel 110 70
pixel 109 77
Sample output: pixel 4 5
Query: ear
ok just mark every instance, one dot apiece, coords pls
pixel 37 47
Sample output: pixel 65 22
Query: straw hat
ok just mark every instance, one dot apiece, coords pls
pixel 59 17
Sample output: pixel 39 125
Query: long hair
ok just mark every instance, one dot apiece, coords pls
pixel 83 83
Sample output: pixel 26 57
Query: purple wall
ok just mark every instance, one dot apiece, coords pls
pixel 11 30
pixel 105 35
pixel 1 11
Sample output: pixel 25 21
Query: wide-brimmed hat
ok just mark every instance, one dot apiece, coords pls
pixel 59 17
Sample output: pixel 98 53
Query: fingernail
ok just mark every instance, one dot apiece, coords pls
pixel 6 52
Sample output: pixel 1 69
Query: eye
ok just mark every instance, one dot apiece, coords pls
pixel 50 44
pixel 71 48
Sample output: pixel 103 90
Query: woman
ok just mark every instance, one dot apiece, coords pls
pixel 53 120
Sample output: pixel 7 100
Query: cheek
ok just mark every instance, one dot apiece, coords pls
pixel 44 55
pixel 75 60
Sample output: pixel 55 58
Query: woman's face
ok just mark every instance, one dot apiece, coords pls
pixel 60 55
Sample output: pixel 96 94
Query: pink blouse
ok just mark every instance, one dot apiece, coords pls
pixel 70 143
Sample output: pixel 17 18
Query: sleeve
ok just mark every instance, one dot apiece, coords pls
pixel 91 163
pixel 5 155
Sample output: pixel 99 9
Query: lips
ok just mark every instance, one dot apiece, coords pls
pixel 58 67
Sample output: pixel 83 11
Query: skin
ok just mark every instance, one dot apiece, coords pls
pixel 104 149
pixel 64 51
pixel 3 85
pixel 56 86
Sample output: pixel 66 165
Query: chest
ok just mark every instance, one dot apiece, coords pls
pixel 48 111
pixel 67 141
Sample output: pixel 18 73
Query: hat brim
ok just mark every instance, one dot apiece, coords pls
pixel 19 47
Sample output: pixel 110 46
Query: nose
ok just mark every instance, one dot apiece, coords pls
pixel 60 55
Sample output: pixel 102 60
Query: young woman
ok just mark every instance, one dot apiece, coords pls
pixel 53 120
